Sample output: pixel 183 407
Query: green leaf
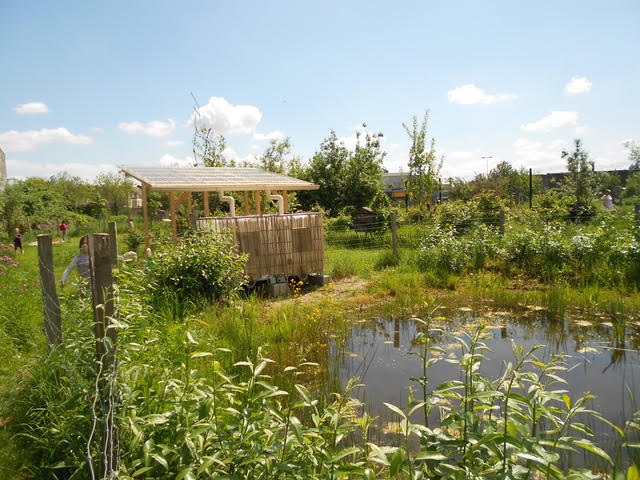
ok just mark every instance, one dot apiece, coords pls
pixel 141 471
pixel 201 354
pixel 426 455
pixel 395 409
pixel 587 445
pixel 632 473
pixel 567 401
pixel 186 474
pixel 343 453
pixel 160 460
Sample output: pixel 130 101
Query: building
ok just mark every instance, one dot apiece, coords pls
pixel 394 187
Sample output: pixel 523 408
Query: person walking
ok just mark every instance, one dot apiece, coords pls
pixel 607 200
pixel 63 228
pixel 17 241
pixel 79 262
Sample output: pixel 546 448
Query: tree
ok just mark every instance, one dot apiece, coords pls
pixel 116 190
pixel 326 169
pixel 634 154
pixel 581 182
pixel 208 146
pixel 363 185
pixel 273 158
pixel 424 167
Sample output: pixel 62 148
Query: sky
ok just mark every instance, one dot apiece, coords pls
pixel 88 86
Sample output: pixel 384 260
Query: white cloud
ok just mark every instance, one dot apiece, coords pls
pixel 21 169
pixel 15 141
pixel 555 119
pixel 227 119
pixel 470 94
pixel 32 108
pixel 543 157
pixel 175 143
pixel 578 85
pixel 459 155
pixel 275 135
pixel 255 147
pixel 155 128
pixel 96 129
pixel 581 130
pixel 168 160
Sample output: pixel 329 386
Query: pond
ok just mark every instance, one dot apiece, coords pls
pixel 601 351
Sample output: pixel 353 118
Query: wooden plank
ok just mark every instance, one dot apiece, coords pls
pixel 205 200
pixel 245 202
pixel 258 201
pixel 172 214
pixel 145 214
pixel 102 296
pixel 50 303
pixel 285 198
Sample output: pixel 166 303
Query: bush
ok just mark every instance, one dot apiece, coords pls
pixel 203 266
pixel 134 239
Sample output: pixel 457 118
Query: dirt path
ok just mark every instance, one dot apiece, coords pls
pixel 339 290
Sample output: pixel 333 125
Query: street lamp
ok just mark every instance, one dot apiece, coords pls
pixel 487 158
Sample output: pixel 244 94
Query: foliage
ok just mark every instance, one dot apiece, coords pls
pixel 116 191
pixel 424 168
pixel 208 147
pixel 581 182
pixel 203 266
pixel 133 239
pixel 634 154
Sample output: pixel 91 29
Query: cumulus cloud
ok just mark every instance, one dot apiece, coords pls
pixel 168 160
pixel 578 85
pixel 22 169
pixel 470 94
pixel 460 155
pixel 175 143
pixel 155 128
pixel 275 135
pixel 543 157
pixel 15 141
pixel 226 118
pixel 32 108
pixel 555 119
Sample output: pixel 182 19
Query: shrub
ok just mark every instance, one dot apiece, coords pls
pixel 134 239
pixel 457 216
pixel 203 266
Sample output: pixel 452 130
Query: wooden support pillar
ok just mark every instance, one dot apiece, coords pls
pixel 245 202
pixel 102 295
pixel 172 214
pixel 145 215
pixel 258 199
pixel 205 200
pixel 285 199
pixel 52 315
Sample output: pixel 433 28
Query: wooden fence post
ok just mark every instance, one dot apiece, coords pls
pixel 113 242
pixel 637 218
pixel 102 295
pixel 394 234
pixel 50 303
pixel 501 220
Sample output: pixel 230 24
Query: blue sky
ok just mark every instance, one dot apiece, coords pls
pixel 87 86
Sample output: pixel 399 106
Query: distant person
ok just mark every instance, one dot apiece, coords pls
pixel 63 228
pixel 17 241
pixel 607 200
pixel 79 262
pixel 131 224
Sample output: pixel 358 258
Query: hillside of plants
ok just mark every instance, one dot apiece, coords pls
pixel 213 381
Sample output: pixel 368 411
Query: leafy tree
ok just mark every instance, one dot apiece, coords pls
pixel 634 154
pixel 273 158
pixel 326 169
pixel 581 182
pixel 363 186
pixel 75 191
pixel 424 167
pixel 116 191
pixel 208 147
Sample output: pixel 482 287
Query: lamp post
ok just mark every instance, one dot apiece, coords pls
pixel 487 159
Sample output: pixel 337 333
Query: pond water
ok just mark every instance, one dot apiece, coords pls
pixel 602 357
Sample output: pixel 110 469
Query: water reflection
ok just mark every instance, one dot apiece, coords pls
pixel 602 356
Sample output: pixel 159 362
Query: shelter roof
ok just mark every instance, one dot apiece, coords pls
pixel 205 179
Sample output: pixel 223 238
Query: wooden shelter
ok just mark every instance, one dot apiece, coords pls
pixel 183 181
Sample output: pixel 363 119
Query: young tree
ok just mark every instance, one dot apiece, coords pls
pixel 424 167
pixel 208 146
pixel 273 159
pixel 634 154
pixel 581 182
pixel 363 185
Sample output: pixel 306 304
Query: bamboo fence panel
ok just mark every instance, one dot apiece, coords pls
pixel 290 244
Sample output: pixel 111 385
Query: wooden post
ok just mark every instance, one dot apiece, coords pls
pixel 394 234
pixel 189 204
pixel 245 202
pixel 530 188
pixel 145 215
pixel 113 242
pixel 52 316
pixel 285 199
pixel 205 200
pixel 172 214
pixel 102 295
pixel 258 199
pixel 637 218
pixel 193 219
pixel 501 221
